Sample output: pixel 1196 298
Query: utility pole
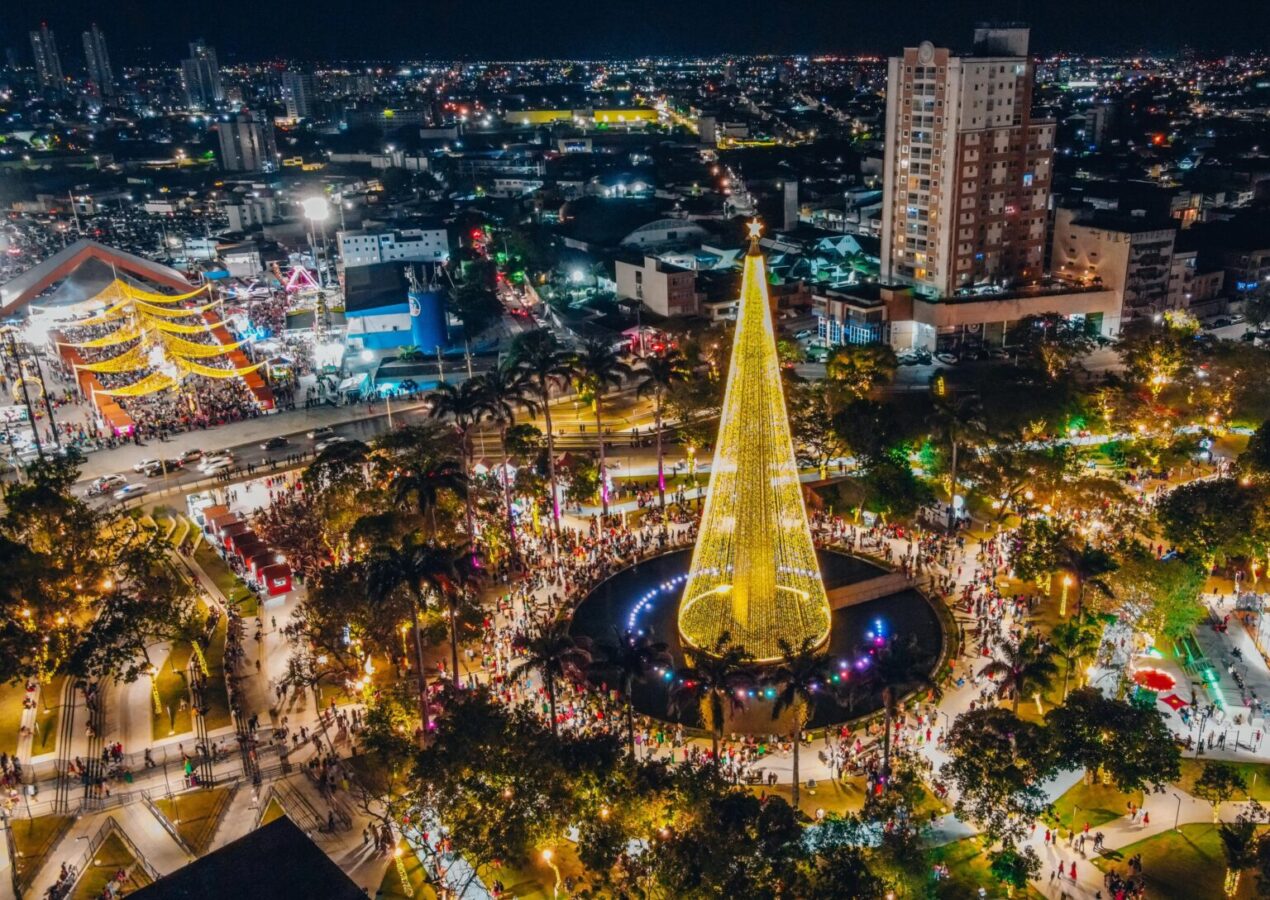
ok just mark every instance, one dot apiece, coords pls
pixel 26 394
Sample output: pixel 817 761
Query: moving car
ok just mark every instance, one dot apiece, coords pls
pixel 128 491
pixel 143 464
pixel 322 434
pixel 330 442
pixel 191 455
pixel 106 483
pixel 160 466
pixel 214 459
pixel 217 465
pixel 275 443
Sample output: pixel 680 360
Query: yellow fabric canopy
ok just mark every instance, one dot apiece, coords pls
pixel 192 350
pixel 179 312
pixel 109 314
pixel 178 328
pixel 151 384
pixel 211 371
pixel 130 360
pixel 151 297
pixel 118 336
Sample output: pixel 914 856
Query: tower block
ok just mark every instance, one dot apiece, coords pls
pixel 754 573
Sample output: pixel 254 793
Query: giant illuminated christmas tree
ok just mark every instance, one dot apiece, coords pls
pixel 754 573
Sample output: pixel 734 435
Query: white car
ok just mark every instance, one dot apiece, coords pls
pixel 219 464
pixel 143 464
pixel 128 491
pixel 215 459
pixel 321 434
pixel 106 483
pixel 329 442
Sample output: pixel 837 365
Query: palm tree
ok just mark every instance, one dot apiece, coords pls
pixel 1087 565
pixel 465 406
pixel 598 367
pixel 454 572
pixel 1028 667
pixel 957 420
pixel 419 465
pixel 715 683
pixel 658 375
pixel 898 664
pixel 802 674
pixel 419 486
pixel 505 387
pixel 554 654
pixel 629 659
pixel 1072 640
pixel 412 568
pixel 546 365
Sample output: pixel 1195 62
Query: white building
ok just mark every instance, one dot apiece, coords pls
pixel 366 248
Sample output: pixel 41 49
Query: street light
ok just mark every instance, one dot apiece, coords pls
pixel 317 212
pixel 549 858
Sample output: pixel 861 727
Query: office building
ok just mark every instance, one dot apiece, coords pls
pixel 664 289
pixel 297 94
pixel 414 245
pixel 201 75
pixel 1129 254
pixel 97 62
pixel 247 143
pixel 48 65
pixel 966 168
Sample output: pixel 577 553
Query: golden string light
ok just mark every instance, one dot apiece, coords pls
pixel 754 573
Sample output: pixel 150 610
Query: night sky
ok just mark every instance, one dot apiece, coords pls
pixel 517 29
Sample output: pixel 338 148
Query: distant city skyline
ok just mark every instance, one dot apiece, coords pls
pixel 446 29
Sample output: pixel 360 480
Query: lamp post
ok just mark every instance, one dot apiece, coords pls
pixel 1177 816
pixel 549 858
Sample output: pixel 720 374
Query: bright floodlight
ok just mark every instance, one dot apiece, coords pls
pixel 315 209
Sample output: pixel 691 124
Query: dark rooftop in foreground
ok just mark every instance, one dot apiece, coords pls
pixel 276 860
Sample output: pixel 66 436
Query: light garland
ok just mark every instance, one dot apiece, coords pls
pixel 202 661
pixel 151 384
pixel 178 346
pixel 178 312
pixel 152 297
pixel 131 360
pixel 754 573
pixel 194 368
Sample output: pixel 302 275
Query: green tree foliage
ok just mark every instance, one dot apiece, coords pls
pixel 86 590
pixel 1216 519
pixel 1013 867
pixel 1023 669
pixel 739 846
pixel 854 370
pixel 998 763
pixel 1217 783
pixel 1162 596
pixel 1127 743
pixel 1255 460
pixel 1051 343
pixel 474 301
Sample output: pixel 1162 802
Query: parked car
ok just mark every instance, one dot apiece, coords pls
pixel 106 483
pixel 128 491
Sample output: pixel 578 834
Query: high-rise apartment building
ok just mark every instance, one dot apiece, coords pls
pixel 201 75
pixel 97 61
pixel 48 65
pixel 297 94
pixel 967 169
pixel 247 143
